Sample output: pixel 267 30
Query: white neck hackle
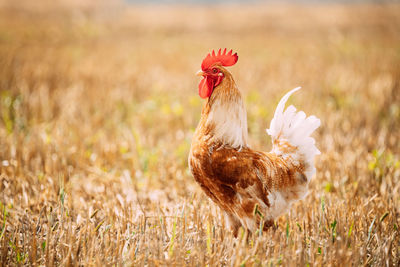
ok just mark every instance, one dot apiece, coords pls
pixel 225 115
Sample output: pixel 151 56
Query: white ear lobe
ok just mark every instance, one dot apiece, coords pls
pixel 220 74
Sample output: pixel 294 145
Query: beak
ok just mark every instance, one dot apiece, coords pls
pixel 200 73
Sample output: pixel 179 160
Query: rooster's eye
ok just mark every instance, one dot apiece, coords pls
pixel 214 70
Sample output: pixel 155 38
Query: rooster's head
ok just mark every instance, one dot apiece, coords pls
pixel 212 71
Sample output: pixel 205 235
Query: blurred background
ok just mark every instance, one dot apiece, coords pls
pixel 99 102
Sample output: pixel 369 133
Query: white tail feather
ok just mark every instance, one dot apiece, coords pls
pixel 295 128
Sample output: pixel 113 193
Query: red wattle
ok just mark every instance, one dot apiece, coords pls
pixel 206 87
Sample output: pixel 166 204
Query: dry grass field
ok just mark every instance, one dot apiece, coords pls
pixel 98 105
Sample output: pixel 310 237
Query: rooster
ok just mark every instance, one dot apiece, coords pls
pixel 251 187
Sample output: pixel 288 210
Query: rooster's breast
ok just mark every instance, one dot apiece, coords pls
pixel 206 175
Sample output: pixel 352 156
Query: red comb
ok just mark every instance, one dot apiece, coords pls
pixel 223 58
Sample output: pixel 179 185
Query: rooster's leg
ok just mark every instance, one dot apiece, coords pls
pixel 233 223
